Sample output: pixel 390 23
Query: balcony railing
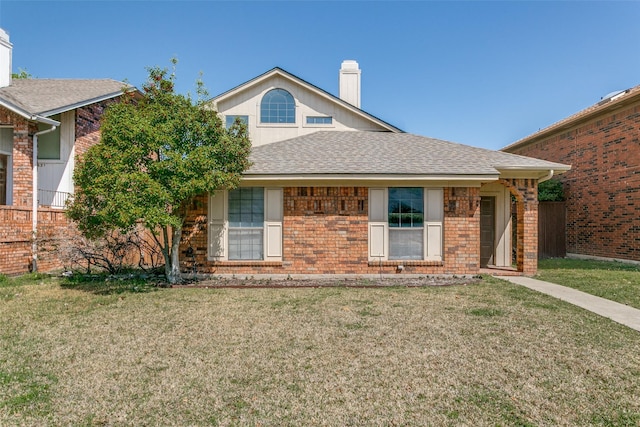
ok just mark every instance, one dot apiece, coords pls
pixel 53 199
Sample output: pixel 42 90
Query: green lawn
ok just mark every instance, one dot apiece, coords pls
pixel 616 281
pixel 482 354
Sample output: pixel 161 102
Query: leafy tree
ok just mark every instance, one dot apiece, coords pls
pixel 550 191
pixel 157 152
pixel 21 74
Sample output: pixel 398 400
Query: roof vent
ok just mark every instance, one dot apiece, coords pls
pixel 612 96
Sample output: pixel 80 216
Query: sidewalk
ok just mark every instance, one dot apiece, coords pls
pixel 617 312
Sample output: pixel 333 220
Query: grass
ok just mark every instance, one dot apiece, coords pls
pixel 616 281
pixel 492 353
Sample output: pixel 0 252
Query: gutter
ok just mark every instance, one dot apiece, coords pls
pixel 547 177
pixel 34 197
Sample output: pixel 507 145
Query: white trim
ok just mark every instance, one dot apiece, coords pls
pixel 371 177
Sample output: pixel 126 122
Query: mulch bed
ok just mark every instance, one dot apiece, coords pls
pixel 248 282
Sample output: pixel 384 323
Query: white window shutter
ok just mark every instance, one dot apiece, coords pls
pixel 378 241
pixel 273 201
pixel 217 238
pixel 433 223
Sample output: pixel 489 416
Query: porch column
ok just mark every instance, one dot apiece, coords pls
pixel 526 193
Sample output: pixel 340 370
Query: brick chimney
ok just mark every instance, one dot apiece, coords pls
pixel 6 49
pixel 350 82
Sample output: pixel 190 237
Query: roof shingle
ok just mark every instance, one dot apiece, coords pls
pixel 45 96
pixel 382 153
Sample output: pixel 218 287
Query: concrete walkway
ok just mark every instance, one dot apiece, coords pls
pixel 617 312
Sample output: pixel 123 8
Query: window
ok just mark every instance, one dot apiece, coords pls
pixel 246 224
pixel 231 119
pixel 277 106
pixel 6 149
pixel 4 174
pixel 406 223
pixel 49 143
pixel 319 120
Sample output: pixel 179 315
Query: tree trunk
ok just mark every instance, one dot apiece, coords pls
pixel 172 269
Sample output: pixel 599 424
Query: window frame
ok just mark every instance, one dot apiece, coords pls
pixel 219 227
pixel 241 214
pixel 433 225
pixel 47 137
pixel 292 105
pixel 318 125
pixel 8 153
pixel 401 226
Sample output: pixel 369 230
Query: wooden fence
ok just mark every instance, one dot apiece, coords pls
pixel 552 235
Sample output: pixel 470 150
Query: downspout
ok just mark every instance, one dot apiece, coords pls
pixel 34 197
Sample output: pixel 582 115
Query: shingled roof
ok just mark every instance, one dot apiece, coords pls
pixel 45 97
pixel 384 153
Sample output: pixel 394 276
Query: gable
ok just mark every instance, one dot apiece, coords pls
pixel 310 103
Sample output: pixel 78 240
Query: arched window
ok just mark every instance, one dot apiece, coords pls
pixel 277 106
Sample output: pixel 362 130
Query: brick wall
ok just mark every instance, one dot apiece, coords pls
pixel 16 239
pixel 15 220
pixel 603 186
pixel 88 125
pixel 22 156
pixel 526 193
pixel 462 230
pixel 325 231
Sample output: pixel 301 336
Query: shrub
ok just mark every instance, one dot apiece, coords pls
pixel 551 191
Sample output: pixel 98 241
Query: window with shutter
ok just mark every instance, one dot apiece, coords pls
pixel 406 223
pixel 246 224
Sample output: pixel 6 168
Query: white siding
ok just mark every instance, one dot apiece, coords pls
pixel 308 103
pixel 57 175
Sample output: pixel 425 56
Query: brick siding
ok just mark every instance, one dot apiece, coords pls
pixel 325 231
pixel 603 186
pixel 16 239
pixel 15 220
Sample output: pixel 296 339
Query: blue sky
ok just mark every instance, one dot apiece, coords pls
pixel 478 73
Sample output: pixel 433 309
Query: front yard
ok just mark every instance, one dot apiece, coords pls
pixel 486 353
pixel 616 281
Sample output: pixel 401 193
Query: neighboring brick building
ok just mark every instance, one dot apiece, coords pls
pixel 335 190
pixel 61 118
pixel 602 144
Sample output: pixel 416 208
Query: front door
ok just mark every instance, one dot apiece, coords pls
pixel 487 230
